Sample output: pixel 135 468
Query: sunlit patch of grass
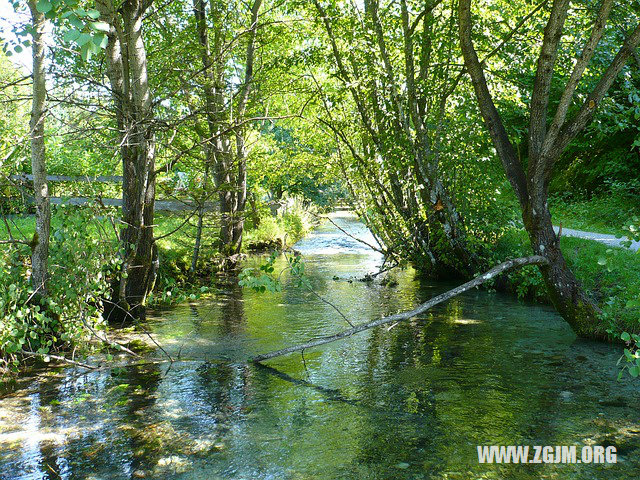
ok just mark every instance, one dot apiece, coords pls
pixel 602 214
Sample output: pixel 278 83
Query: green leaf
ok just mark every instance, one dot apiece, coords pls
pixel 92 13
pixel 76 22
pixel 82 39
pixel 634 371
pixel 625 336
pixel 18 48
pixel 71 35
pixel 99 26
pixel 100 40
pixel 85 53
pixel 633 303
pixel 602 261
pixel 44 6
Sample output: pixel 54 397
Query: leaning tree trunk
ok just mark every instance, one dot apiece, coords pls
pixel 392 105
pixel 40 242
pixel 499 269
pixel 564 290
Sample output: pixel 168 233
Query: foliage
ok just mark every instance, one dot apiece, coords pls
pixel 82 262
pixel 81 26
pixel 265 279
pixel 631 355
pixel 285 228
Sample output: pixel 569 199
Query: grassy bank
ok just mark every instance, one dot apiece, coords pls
pixel 610 276
pixel 83 258
pixel 176 283
pixel 606 213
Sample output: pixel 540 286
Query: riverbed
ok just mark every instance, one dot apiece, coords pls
pixel 410 401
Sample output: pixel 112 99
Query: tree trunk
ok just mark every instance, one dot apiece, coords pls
pixel 564 290
pixel 40 242
pixel 139 186
pixel 237 219
pixel 236 224
pixel 198 241
pixel 219 154
pixel 127 71
pixel 546 146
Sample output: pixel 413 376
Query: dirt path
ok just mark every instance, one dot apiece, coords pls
pixel 598 237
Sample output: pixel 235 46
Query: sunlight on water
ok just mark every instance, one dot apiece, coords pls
pixel 408 402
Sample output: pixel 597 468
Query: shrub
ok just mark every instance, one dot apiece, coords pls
pixel 81 259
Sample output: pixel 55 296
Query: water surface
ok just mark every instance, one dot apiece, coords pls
pixel 408 402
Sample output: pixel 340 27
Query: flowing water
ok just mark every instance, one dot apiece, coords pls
pixel 409 402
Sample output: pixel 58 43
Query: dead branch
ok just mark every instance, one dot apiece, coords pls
pixel 61 359
pixel 398 317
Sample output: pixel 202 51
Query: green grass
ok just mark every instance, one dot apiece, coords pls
pixel 611 285
pixel 601 214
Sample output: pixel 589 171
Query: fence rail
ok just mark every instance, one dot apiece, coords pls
pixel 68 178
pixel 160 205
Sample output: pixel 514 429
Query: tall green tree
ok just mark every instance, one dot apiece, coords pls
pixel 126 60
pixel 225 106
pixel 547 139
pixel 398 70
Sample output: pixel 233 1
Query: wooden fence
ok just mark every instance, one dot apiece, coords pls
pixel 160 205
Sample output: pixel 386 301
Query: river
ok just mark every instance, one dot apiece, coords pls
pixel 408 402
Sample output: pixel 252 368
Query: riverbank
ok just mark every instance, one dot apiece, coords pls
pixel 611 276
pixel 84 256
pixel 605 213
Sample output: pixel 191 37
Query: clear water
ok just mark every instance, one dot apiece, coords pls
pixel 411 402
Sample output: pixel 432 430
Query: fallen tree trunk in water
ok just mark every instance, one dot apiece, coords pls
pixel 398 317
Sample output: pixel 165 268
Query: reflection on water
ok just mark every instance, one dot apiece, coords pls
pixel 408 402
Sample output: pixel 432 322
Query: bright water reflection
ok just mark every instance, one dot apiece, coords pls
pixel 411 402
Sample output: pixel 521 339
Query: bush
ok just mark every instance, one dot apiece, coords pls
pixel 81 261
pixel 289 226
